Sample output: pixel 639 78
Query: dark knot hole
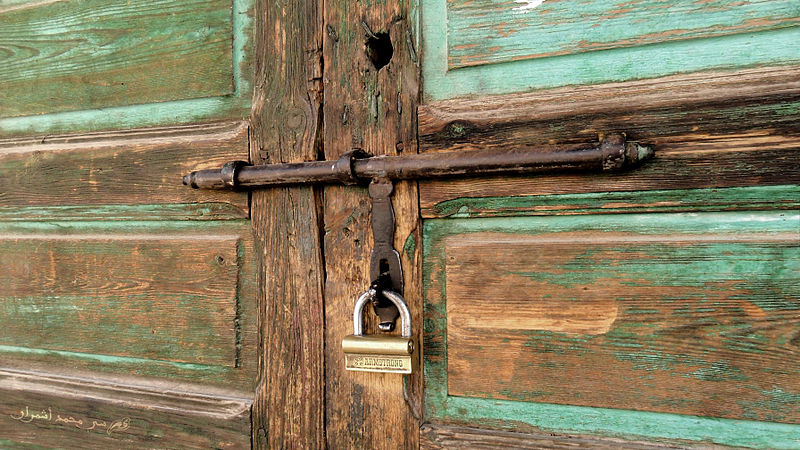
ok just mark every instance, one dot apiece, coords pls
pixel 379 49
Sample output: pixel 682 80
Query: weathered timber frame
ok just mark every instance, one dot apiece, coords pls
pixel 300 374
pixel 318 95
pixel 288 411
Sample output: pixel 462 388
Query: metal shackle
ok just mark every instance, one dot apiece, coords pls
pixel 394 297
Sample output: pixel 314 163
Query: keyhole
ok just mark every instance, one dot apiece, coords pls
pixel 379 49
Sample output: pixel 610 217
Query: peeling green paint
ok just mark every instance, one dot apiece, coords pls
pixel 410 247
pixel 636 59
pixel 787 196
pixel 621 423
pixel 109 359
pixel 634 342
pixel 157 212
pixel 233 106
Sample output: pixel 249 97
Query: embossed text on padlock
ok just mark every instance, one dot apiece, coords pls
pixel 379 353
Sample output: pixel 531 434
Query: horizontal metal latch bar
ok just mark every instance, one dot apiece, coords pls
pixel 613 154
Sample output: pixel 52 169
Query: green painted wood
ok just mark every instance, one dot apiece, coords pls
pixel 678 200
pixel 177 105
pixel 741 228
pixel 534 50
pixel 167 299
pixel 490 31
pixel 109 294
pixel 61 56
pixel 622 423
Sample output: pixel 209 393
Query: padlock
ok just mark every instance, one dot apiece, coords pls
pixel 379 353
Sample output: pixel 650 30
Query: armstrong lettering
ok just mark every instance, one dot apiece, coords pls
pixel 379 362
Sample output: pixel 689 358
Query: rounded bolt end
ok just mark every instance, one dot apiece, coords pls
pixel 189 180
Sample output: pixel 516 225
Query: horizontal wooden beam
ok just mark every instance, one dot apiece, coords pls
pixel 699 104
pixel 60 411
pixel 441 437
pixel 51 176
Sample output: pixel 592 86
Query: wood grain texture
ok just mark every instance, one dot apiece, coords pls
pixel 108 295
pixel 61 56
pixel 717 175
pixel 374 109
pixel 442 437
pixel 706 312
pixel 289 408
pixel 48 177
pixel 541 46
pixel 161 299
pixel 690 324
pixel 674 109
pixel 755 198
pixel 490 32
pixel 86 412
pixel 709 130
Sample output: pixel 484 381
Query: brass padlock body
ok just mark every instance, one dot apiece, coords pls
pixel 379 353
pixel 371 353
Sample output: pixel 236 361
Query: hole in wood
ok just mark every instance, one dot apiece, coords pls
pixel 379 49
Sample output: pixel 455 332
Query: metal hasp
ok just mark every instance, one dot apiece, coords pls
pixel 613 154
pixel 385 268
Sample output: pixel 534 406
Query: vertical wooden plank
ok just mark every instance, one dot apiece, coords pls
pixel 288 411
pixel 370 102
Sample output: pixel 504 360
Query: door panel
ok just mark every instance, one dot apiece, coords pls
pixel 120 175
pixel 490 32
pixel 128 302
pixel 103 64
pixel 81 411
pixel 492 47
pixel 666 322
pixel 682 313
pixel 100 53
pixel 107 294
pixel 659 304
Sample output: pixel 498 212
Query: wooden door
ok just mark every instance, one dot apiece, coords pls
pixel 649 308
pixel 127 301
pixel 657 307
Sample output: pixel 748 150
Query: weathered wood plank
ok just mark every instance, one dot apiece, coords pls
pixel 490 32
pixel 61 56
pixel 681 110
pixel 371 91
pixel 762 231
pixel 713 176
pixel 709 130
pixel 289 408
pixel 160 299
pixel 69 412
pixel 441 437
pixel 170 298
pixel 683 323
pixel 540 47
pixel 49 176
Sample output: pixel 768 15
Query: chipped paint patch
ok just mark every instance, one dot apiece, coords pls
pixel 527 6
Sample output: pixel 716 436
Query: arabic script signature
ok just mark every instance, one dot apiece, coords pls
pixel 28 415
